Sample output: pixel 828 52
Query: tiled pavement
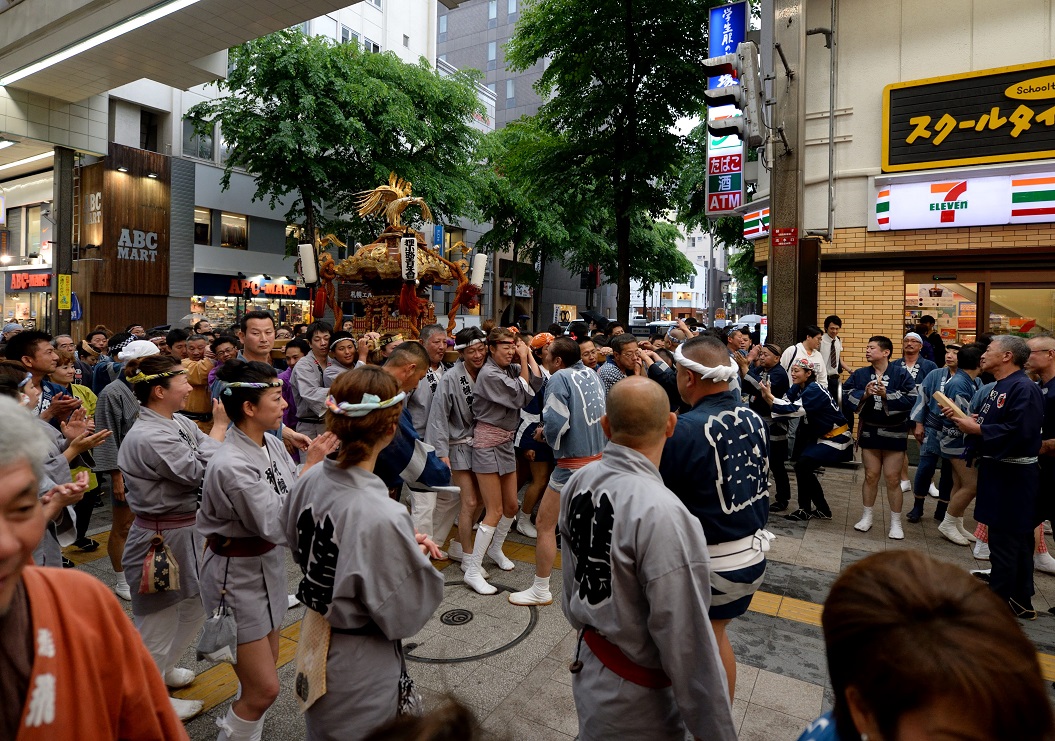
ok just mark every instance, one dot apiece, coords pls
pixel 510 664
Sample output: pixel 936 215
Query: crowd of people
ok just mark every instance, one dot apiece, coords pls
pixel 646 460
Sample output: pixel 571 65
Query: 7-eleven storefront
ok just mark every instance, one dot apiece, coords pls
pixel 975 251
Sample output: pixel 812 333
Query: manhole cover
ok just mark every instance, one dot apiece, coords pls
pixel 456 617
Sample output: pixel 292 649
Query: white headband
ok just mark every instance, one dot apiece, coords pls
pixel 722 373
pixel 370 403
pixel 470 343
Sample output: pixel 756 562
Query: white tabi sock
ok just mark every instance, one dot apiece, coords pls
pixel 233 728
pixel 495 550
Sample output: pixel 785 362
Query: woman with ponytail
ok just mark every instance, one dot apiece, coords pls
pixel 162 461
pixel 244 567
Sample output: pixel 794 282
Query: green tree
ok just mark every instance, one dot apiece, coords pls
pixel 321 121
pixel 619 75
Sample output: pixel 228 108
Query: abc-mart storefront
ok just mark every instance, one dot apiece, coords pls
pixel 961 224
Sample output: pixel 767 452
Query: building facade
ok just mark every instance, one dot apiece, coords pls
pixel 943 168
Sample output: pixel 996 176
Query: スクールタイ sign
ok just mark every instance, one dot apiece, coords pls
pixel 997 115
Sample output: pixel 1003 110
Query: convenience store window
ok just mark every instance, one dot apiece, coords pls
pixel 1021 310
pixel 954 306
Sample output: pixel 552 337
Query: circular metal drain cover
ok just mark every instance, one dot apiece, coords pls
pixel 456 617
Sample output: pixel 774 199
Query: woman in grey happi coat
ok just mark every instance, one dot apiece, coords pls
pixel 245 488
pixel 163 461
pixel 365 570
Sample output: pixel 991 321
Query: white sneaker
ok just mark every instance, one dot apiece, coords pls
pixel 178 677
pixel 291 601
pixel 951 532
pixel 185 709
pixel 121 588
pixel 906 486
pixel 531 596
pixel 501 560
pixel 865 523
pixel 524 526
pixel 981 551
pixel 933 491
pixel 896 533
pixel 1044 562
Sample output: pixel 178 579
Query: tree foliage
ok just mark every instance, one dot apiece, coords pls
pixel 320 122
pixel 619 76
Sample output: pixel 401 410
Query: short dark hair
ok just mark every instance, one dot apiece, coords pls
pixel 133 324
pixel 927 319
pixel 612 325
pixel 25 343
pixel 465 335
pixel 812 330
pixel 300 344
pixel 969 357
pixel 244 372
pixel 318 327
pixel 832 319
pixel 176 335
pixel 407 353
pixel 200 322
pixel 578 328
pixel 555 329
pixel 243 323
pixel 224 339
pixel 567 350
pixel 620 341
pixel 94 332
pixel 883 342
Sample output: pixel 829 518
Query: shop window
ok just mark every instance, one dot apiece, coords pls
pixel 234 231
pixel 954 307
pixel 202 226
pixel 196 145
pixel 1021 311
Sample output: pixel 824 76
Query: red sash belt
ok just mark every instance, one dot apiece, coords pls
pixel 574 463
pixel 488 436
pixel 166 522
pixel 254 545
pixel 616 661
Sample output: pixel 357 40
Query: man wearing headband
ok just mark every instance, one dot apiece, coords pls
pixel 919 368
pixel 308 381
pixel 883 394
pixel 450 430
pixel 343 357
pixel 717 464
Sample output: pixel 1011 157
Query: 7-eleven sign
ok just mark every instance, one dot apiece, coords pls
pixel 725 167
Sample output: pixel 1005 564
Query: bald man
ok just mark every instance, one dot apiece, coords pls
pixel 717 463
pixel 636 586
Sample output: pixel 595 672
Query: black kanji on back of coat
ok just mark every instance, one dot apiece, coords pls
pixel 317 557
pixel 591 543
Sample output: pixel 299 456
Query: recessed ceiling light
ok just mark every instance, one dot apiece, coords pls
pixel 137 21
pixel 27 160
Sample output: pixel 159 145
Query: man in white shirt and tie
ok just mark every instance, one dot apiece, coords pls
pixel 832 352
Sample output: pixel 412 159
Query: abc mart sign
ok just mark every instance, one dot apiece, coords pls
pixel 957 202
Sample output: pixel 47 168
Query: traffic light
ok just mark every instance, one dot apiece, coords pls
pixel 744 91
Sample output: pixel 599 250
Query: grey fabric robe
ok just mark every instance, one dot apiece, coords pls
pixel 361 567
pixel 243 495
pixel 163 462
pixel 636 568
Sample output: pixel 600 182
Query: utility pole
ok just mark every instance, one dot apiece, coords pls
pixel 793 262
